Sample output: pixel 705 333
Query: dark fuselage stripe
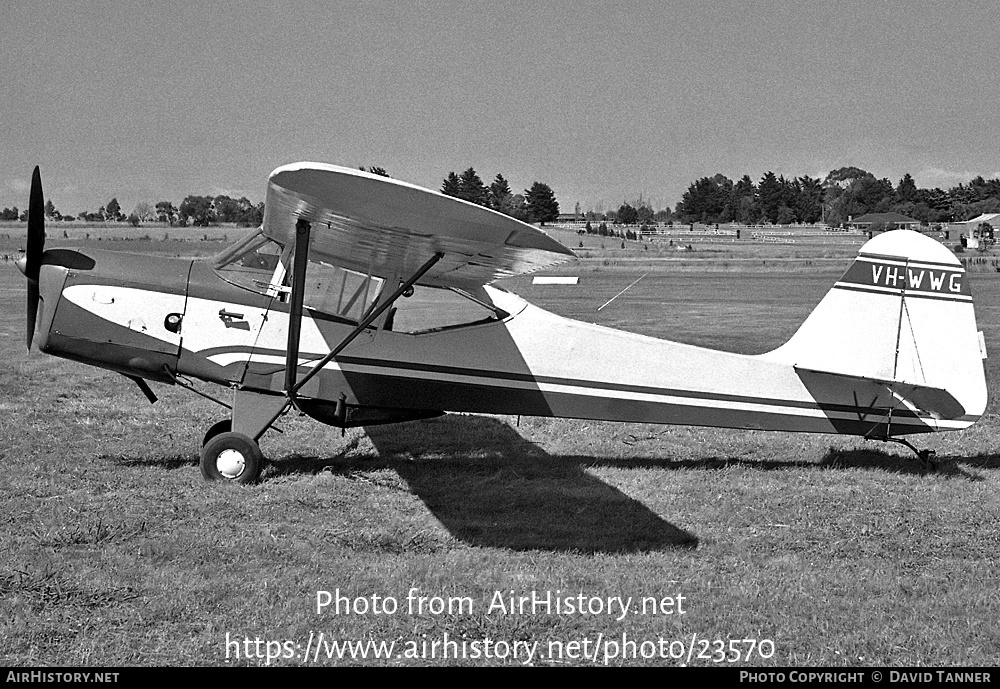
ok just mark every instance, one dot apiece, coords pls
pixel 498 378
pixel 469 397
pixel 913 262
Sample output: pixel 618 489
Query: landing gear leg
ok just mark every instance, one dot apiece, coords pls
pixel 229 450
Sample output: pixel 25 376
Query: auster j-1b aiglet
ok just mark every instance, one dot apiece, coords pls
pixel 363 300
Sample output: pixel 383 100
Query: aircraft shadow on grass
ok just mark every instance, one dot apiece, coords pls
pixel 490 487
pixel 870 458
pixel 946 465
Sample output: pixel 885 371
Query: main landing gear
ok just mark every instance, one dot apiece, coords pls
pixel 230 451
pixel 230 456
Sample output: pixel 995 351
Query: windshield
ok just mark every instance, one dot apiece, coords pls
pixel 255 263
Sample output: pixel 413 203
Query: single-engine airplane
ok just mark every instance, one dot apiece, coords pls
pixel 364 300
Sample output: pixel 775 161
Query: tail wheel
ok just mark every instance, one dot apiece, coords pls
pixel 231 457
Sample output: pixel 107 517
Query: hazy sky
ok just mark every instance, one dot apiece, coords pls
pixel 146 101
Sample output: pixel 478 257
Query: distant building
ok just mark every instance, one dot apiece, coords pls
pixel 975 238
pixel 967 227
pixel 991 219
pixel 887 221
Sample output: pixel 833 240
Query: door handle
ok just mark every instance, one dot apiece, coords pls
pixel 233 320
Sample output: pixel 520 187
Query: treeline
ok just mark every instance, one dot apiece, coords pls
pixel 202 211
pixel 199 211
pixel 848 192
pixel 637 212
pixel 537 204
pixel 845 193
pixel 604 231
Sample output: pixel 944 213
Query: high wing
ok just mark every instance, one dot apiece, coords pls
pixel 373 224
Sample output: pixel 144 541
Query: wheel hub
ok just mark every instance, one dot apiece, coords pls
pixel 230 463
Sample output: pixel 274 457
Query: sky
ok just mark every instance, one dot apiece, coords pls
pixel 602 101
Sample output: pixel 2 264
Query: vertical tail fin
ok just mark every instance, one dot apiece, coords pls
pixel 903 313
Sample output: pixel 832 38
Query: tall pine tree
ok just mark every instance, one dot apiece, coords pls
pixel 451 185
pixel 499 191
pixel 471 188
pixel 542 204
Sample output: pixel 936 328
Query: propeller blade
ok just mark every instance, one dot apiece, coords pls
pixel 36 225
pixel 35 248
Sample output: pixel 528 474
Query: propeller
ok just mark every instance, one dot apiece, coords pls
pixel 35 249
pixel 36 256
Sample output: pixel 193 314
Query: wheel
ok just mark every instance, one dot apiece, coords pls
pixel 231 457
pixel 223 426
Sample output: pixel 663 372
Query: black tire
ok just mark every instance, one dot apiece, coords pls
pixel 231 457
pixel 223 426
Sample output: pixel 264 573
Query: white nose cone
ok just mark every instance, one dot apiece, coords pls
pixel 22 265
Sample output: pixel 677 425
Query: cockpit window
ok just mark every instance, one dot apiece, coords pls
pixel 430 309
pixel 340 292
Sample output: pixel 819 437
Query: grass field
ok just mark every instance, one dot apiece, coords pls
pixel 823 550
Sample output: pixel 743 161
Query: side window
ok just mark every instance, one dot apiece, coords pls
pixel 429 309
pixel 340 292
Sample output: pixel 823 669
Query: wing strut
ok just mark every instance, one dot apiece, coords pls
pixel 300 261
pixel 255 414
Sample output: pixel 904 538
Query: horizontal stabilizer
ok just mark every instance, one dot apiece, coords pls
pixel 937 402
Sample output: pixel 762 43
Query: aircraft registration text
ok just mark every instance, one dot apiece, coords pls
pixel 913 279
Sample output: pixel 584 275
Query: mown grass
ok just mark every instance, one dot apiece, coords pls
pixel 841 551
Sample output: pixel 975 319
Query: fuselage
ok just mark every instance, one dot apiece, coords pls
pixel 158 319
